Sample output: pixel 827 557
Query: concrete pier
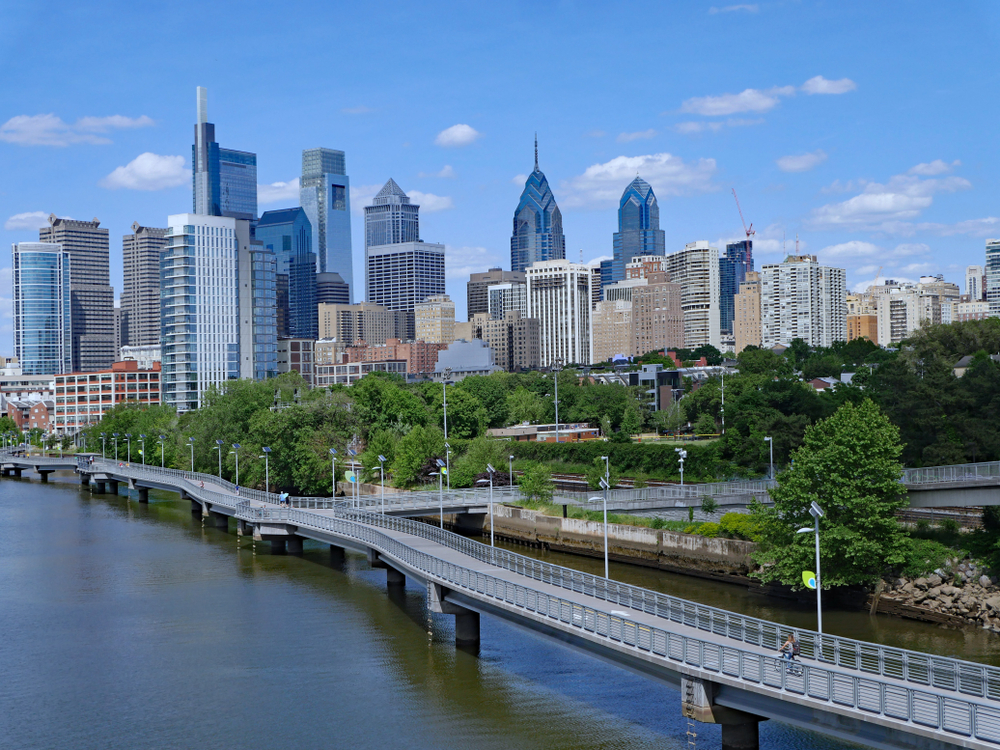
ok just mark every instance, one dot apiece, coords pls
pixel 143 494
pixel 44 475
pixel 219 520
pixel 112 487
pixel 466 620
pixel 337 556
pixel 84 479
pixel 294 545
pixel 394 578
pixel 278 545
pixel 740 730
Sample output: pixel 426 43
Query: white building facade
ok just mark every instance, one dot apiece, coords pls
pixel 696 269
pixel 559 296
pixel 801 299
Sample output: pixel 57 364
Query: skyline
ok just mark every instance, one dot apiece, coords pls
pixel 874 156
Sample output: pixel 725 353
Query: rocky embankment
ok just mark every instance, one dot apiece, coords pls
pixel 959 596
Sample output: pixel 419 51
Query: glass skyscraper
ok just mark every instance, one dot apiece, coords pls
pixel 538 231
pixel 288 234
pixel 733 268
pixel 325 194
pixel 43 340
pixel 223 181
pixel 391 218
pixel 639 230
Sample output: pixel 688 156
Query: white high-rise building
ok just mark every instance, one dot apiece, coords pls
pixel 800 299
pixel 974 283
pixel 506 297
pixel 903 311
pixel 993 276
pixel 559 296
pixel 696 269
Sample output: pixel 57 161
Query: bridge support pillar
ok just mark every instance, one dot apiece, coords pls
pixel 466 620
pixel 196 508
pixel 16 472
pixel 219 520
pixel 337 556
pixel 394 578
pixel 740 730
pixel 294 545
pixel 84 479
pixel 44 475
pixel 98 488
pixel 143 494
pixel 112 487
pixel 278 545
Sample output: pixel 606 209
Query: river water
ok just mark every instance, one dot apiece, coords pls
pixel 127 625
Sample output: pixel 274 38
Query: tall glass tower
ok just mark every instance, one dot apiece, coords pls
pixel 639 230
pixel 391 218
pixel 288 234
pixel 733 268
pixel 223 181
pixel 325 195
pixel 538 231
pixel 43 341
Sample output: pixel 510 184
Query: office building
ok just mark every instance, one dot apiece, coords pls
pixel 513 339
pixel 223 181
pixel 331 289
pixel 288 234
pixel 435 319
pixel 463 359
pixel 657 314
pixel 801 299
pixel 538 234
pixel 92 300
pixel 559 297
pixel 696 269
pixel 140 300
pixel 901 312
pixel 746 313
pixel 420 356
pixel 82 398
pixel 391 219
pixel 360 323
pixel 639 230
pixel 993 276
pixel 143 356
pixel 297 355
pixel 733 269
pixel 607 274
pixel 975 288
pixel 611 331
pixel 477 288
pixel 258 329
pixel 511 296
pixel 350 373
pixel 325 195
pixel 43 328
pixel 862 320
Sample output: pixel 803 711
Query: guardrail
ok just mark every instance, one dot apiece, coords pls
pixel 987 472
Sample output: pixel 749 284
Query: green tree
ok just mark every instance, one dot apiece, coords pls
pixel 524 405
pixel 491 390
pixel 595 473
pixel 413 451
pixel 606 428
pixel 705 425
pixel 467 416
pixel 481 451
pixel 382 401
pixel 632 420
pixel 536 483
pixel 849 465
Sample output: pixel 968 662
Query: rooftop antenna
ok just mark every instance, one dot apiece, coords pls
pixel 536 150
pixel 796 243
pixel 202 97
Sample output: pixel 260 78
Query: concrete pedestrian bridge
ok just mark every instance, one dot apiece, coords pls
pixel 724 663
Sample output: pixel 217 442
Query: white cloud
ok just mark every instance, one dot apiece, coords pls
pixel 886 207
pixel 361 109
pixel 865 270
pixel 860 286
pixel 918 268
pixel 801 162
pixel 279 192
pixel 843 187
pixel 602 184
pixel 50 130
pixel 459 262
pixel 987 227
pixel 457 135
pixel 912 248
pixel 821 85
pixel 363 195
pixel 148 172
pixel 748 7
pixel 714 126
pixel 748 100
pixel 860 249
pixel 933 168
pixel 519 179
pixel 447 171
pixel 640 135
pixel 27 221
pixel 429 203
pixel 852 249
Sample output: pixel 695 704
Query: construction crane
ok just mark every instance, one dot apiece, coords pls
pixel 748 230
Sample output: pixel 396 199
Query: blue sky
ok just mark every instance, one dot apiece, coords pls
pixel 868 129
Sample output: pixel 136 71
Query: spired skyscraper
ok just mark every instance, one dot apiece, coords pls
pixel 538 231
pixel 223 181
pixel 639 230
pixel 325 195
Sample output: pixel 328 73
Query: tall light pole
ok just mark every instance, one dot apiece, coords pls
pixel 236 452
pixel 128 442
pixel 160 440
pixel 444 397
pixel 817 513
pixel 381 470
pixel 441 466
pixel 191 445
pixel 556 368
pixel 681 455
pixel 492 471
pixel 333 472
pixel 510 473
pixel 770 446
pixel 104 436
pixel 267 475
pixel 114 436
pixel 606 484
pixel 447 463
pixel 218 447
pixel 354 478
pixel 142 450
pixel 723 400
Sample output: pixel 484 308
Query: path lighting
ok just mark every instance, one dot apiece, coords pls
pixel 191 445
pixel 770 447
pixel 160 440
pixel 114 436
pixel 492 471
pixel 817 513
pixel 128 440
pixel 510 475
pixel 444 397
pixel 605 501
pixel 556 369
pixel 681 455
pixel 267 476
pixel 142 450
pixel 333 472
pixel 381 470
pixel 236 452
pixel 104 436
pixel 354 479
pixel 439 472
pixel 447 462
pixel 218 447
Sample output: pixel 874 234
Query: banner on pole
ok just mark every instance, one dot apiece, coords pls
pixel 809 579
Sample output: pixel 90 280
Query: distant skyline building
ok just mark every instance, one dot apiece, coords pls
pixel 223 181
pixel 974 286
pixel 504 298
pixel 801 299
pixel 391 219
pixel 325 195
pixel 140 298
pixel 92 299
pixel 993 276
pixel 639 230
pixel 538 234
pixel 43 341
pixel 435 319
pixel 288 234
pixel 331 289
pixel 733 269
pixel 257 306
pixel 696 269
pixel 476 289
pixel 559 296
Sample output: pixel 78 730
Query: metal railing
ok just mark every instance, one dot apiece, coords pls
pixel 987 472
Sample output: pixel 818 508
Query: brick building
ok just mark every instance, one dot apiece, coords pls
pixel 420 356
pixel 82 398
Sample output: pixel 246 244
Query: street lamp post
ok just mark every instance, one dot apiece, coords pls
pixel 160 441
pixel 354 479
pixel 606 484
pixel 441 466
pixel 817 513
pixel 510 474
pixel 492 471
pixel 556 368
pixel 114 436
pixel 444 398
pixel 447 463
pixel 333 472
pixel 770 447
pixel 142 450
pixel 104 436
pixel 723 410
pixel 267 475
pixel 381 472
pixel 236 452
pixel 191 445
pixel 681 455
pixel 218 447
pixel 128 442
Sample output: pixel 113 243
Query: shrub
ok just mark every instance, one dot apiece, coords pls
pixel 692 529
pixel 709 505
pixel 709 529
pixel 738 526
pixel 924 556
pixel 950 525
pixel 639 480
pixel 657 523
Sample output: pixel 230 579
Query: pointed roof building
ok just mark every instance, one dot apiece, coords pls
pixel 639 230
pixel 391 218
pixel 537 231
